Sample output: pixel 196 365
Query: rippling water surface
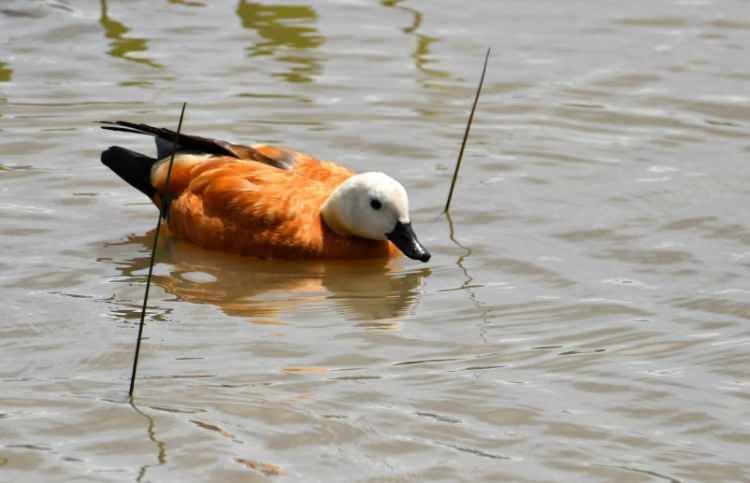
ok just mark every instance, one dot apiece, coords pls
pixel 586 313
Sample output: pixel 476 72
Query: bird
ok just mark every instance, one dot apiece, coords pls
pixel 266 201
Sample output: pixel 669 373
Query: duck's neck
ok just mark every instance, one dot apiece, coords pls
pixel 333 211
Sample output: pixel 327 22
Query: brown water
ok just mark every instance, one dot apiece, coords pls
pixel 589 320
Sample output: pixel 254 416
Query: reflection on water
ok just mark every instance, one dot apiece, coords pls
pixel 469 284
pixel 421 53
pixel 187 3
pixel 371 292
pixel 289 34
pixel 6 73
pixel 123 46
pixel 161 447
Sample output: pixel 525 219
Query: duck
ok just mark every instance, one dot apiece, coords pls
pixel 266 201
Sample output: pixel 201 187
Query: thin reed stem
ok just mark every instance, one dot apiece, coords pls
pixel 162 214
pixel 466 134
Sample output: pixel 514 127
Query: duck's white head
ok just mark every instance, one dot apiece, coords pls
pixel 373 206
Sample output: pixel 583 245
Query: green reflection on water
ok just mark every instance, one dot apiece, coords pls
pixel 122 46
pixel 187 3
pixel 284 27
pixel 161 447
pixel 421 54
pixel 6 73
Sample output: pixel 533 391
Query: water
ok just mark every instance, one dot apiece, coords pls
pixel 584 318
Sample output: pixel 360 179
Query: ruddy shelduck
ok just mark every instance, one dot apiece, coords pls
pixel 267 201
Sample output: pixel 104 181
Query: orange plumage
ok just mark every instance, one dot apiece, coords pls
pixel 245 206
pixel 267 201
pixel 253 200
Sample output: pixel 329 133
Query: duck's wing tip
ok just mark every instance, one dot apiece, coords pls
pixel 166 138
pixel 275 156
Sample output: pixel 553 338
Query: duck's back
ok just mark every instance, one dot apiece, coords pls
pixel 246 207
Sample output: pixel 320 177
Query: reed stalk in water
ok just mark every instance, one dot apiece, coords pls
pixel 162 214
pixel 466 134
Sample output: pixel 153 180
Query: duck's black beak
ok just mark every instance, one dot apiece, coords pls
pixel 406 240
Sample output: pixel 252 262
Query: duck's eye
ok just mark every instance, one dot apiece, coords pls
pixel 376 204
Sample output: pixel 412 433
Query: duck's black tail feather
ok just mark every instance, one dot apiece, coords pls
pixel 135 168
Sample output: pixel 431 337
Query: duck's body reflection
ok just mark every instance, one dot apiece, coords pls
pixel 373 293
